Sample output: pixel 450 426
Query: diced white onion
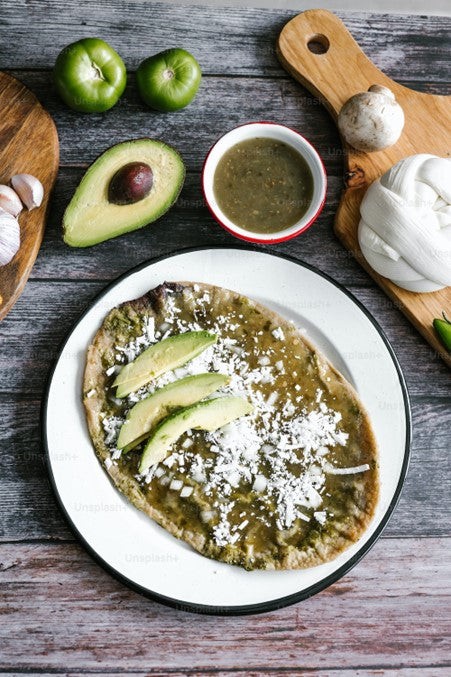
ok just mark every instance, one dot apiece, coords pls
pixel 272 399
pixel 259 483
pixel 346 471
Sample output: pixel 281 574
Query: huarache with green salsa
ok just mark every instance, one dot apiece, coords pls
pixel 252 448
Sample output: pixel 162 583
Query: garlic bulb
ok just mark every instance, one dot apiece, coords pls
pixel 29 189
pixel 371 120
pixel 405 227
pixel 9 237
pixel 10 201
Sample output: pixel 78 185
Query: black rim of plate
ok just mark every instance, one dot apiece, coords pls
pixel 259 607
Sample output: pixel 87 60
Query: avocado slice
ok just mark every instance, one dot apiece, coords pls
pixel 146 414
pixel 208 415
pixel 91 218
pixel 161 357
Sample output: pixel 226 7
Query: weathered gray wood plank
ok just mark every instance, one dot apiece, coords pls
pixel 226 40
pixel 419 671
pixel 221 104
pixel 62 609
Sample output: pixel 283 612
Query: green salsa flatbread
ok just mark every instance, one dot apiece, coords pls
pixel 290 484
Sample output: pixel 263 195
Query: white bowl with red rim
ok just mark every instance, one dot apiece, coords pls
pixel 271 130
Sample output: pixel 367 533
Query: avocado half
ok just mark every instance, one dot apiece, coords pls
pixel 90 218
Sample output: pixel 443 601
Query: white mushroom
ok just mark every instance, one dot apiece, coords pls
pixel 371 120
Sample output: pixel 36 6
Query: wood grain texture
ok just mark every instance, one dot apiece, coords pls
pixel 222 103
pixel 62 613
pixel 421 671
pixel 67 611
pixel 28 145
pixel 335 76
pixel 232 41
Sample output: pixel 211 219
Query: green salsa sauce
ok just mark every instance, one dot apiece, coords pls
pixel 263 185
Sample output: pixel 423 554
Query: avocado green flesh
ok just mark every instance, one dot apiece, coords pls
pixel 90 218
pixel 150 411
pixel 161 357
pixel 209 415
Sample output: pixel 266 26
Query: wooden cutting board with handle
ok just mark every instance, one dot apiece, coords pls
pixel 28 145
pixel 334 71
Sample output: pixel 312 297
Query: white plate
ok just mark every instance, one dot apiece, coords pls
pixel 132 546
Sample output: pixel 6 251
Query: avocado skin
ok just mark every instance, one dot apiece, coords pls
pixel 92 193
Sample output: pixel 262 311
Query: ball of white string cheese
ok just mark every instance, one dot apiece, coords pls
pixel 405 227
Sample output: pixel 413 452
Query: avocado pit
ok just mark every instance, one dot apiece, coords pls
pixel 130 184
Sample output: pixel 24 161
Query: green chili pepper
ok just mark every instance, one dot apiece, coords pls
pixel 443 329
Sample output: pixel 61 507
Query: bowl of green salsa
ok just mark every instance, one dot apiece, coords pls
pixel 264 182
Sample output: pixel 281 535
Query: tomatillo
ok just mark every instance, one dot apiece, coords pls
pixel 89 75
pixel 169 80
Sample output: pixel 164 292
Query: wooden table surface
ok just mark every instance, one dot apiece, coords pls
pixel 60 612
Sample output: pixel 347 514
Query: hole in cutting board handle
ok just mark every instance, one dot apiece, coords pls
pixel 318 44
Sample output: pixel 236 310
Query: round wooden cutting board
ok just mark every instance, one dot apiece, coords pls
pixel 316 48
pixel 28 145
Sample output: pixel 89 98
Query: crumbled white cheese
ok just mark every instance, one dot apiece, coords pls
pixel 111 426
pixel 90 393
pixel 278 334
